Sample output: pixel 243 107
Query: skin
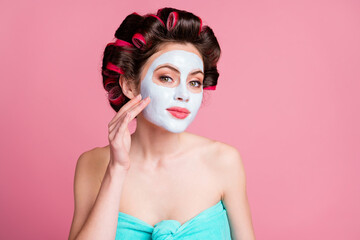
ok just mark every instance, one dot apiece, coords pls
pixel 177 175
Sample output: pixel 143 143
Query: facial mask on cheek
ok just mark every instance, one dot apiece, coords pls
pixel 165 97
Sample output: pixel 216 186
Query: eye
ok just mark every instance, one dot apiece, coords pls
pixel 197 84
pixel 165 78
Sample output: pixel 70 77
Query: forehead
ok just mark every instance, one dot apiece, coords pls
pixel 168 47
pixel 183 60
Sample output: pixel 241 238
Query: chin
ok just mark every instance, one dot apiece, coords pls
pixel 173 128
pixel 176 130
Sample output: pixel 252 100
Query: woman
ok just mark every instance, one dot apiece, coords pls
pixel 160 182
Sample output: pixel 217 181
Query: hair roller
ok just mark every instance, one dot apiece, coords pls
pixel 109 74
pixel 200 28
pixel 114 68
pixel 122 43
pixel 210 88
pixel 139 40
pixel 119 96
pixel 119 100
pixel 109 82
pixel 172 20
pixel 158 19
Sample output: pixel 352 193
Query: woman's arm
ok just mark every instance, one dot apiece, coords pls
pixel 96 205
pixel 234 194
pixel 98 219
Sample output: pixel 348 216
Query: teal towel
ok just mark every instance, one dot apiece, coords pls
pixel 212 223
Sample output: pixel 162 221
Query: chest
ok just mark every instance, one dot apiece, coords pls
pixel 177 192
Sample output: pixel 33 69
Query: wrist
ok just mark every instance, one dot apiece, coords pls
pixel 117 168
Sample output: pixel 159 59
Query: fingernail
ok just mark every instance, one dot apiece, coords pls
pixel 139 96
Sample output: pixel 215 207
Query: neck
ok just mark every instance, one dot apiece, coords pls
pixel 153 145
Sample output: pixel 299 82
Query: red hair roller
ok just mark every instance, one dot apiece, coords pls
pixel 108 82
pixel 118 100
pixel 210 88
pixel 172 20
pixel 158 19
pixel 139 40
pixel 200 26
pixel 120 43
pixel 114 68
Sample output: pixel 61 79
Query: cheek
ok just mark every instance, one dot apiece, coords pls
pixel 196 100
pixel 158 94
pixel 196 90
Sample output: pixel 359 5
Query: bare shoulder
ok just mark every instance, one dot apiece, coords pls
pixel 87 182
pixel 228 156
pixel 221 153
pixel 217 153
pixel 230 161
pixel 221 157
pixel 97 153
pixel 232 178
pixel 95 161
pixel 227 165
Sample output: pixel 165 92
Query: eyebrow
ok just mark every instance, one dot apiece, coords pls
pixel 176 70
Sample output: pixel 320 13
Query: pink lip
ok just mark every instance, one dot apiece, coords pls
pixel 179 112
pixel 178 109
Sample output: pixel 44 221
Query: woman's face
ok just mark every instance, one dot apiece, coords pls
pixel 173 79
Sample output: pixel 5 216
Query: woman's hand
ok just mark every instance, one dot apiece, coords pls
pixel 119 134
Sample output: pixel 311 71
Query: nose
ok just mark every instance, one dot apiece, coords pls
pixel 181 93
pixel 183 99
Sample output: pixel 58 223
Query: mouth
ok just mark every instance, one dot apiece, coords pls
pixel 178 112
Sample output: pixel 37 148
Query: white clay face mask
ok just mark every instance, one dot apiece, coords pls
pixel 179 98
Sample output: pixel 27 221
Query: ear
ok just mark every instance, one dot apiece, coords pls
pixel 127 87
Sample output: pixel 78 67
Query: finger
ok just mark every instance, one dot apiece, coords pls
pixel 120 131
pixel 131 113
pixel 134 111
pixel 126 106
pixel 113 131
pixel 116 120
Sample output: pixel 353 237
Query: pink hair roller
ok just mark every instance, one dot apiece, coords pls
pixel 158 19
pixel 114 68
pixel 120 43
pixel 108 82
pixel 172 20
pixel 200 26
pixel 210 88
pixel 118 100
pixel 139 40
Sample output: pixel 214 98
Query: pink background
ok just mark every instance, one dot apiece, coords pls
pixel 287 98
